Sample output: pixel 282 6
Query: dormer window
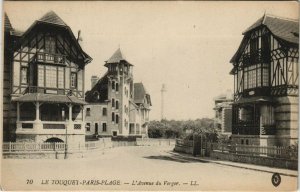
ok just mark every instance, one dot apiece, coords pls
pixel 49 44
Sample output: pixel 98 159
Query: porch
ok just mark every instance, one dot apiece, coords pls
pixel 49 114
pixel 136 129
pixel 253 116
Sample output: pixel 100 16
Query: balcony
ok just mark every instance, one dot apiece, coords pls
pixel 49 127
pixel 46 90
pixel 51 58
pixel 246 129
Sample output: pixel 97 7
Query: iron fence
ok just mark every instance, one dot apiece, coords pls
pixel 57 146
pixel 285 152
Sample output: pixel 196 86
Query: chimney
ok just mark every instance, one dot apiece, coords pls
pixel 94 80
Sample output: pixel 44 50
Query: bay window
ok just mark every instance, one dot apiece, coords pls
pixel 41 77
pixel 51 76
pixel 60 79
pixel 256 76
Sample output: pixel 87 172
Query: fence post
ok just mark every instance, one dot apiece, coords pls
pixel 9 146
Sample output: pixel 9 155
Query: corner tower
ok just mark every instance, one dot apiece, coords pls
pixel 120 92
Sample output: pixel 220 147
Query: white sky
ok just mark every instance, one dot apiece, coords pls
pixel 186 45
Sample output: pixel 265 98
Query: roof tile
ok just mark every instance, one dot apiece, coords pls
pixel 52 17
pixel 286 29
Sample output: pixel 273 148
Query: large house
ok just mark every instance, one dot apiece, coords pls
pixel 223 113
pixel 265 69
pixel 43 94
pixel 117 106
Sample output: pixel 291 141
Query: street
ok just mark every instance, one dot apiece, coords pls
pixel 133 168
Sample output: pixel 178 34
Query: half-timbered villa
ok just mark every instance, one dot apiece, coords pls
pixel 117 106
pixel 44 83
pixel 265 69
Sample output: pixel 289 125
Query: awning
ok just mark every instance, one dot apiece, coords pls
pixel 49 98
pixel 258 99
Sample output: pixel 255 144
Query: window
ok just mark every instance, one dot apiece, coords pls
pixel 24 75
pixel 242 141
pixel 104 127
pixel 96 128
pixel 88 127
pixel 51 76
pixel 60 79
pixel 113 102
pixel 247 142
pixel 112 116
pixel 49 44
pixel 117 119
pixel 246 114
pixel 112 85
pixel 96 95
pixel 254 78
pixel 73 80
pixel 88 111
pixel 41 76
pixel 117 86
pixel 104 111
pixel 117 104
pixel 254 45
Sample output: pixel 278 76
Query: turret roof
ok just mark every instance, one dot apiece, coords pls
pixel 117 57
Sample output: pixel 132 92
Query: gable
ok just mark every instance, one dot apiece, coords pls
pixel 99 93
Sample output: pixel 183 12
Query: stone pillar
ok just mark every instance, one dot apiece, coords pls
pixel 140 127
pixel 70 113
pixel 83 113
pixel 37 111
pixel 37 122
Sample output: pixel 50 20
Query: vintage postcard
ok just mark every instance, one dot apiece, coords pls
pixel 150 96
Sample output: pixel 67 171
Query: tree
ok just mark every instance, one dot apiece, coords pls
pixel 176 129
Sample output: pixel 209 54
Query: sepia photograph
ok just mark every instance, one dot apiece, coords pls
pixel 150 95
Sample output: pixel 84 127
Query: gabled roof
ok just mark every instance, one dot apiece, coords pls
pixel 52 17
pixel 117 57
pixel 286 29
pixel 7 23
pixel 282 28
pixel 101 87
pixel 140 93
